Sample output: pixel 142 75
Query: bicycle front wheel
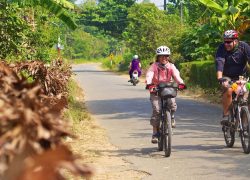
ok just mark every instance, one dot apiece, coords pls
pixel 229 131
pixel 167 138
pixel 244 129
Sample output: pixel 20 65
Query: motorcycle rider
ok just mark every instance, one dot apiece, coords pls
pixel 134 65
pixel 231 59
pixel 161 71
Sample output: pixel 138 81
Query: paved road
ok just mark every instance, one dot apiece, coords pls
pixel 198 150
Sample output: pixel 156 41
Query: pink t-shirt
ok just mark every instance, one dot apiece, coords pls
pixel 157 74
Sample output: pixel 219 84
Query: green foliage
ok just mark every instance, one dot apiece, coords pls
pixel 200 43
pixel 228 14
pixel 13 30
pixel 114 64
pixel 27 33
pixel 192 10
pixel 201 73
pixel 109 16
pixel 58 8
pixel 149 28
pixel 81 44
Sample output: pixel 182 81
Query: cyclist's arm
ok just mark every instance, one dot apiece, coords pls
pixel 219 74
pixel 150 75
pixel 176 75
pixel 129 65
pixel 140 65
pixel 220 61
pixel 247 52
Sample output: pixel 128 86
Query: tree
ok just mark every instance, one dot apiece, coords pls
pixel 58 8
pixel 81 44
pixel 109 16
pixel 12 30
pixel 200 42
pixel 18 41
pixel 192 10
pixel 149 28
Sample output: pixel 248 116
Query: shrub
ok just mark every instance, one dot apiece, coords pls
pixel 201 73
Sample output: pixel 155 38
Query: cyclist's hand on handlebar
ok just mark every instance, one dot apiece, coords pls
pixel 223 81
pixel 182 86
pixel 151 88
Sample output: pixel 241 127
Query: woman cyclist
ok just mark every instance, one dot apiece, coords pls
pixel 163 70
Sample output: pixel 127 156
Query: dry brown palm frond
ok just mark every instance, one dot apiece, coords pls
pixel 31 126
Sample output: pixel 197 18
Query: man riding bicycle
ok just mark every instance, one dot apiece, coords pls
pixel 161 71
pixel 231 59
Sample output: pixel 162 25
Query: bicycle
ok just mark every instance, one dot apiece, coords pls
pixel 239 116
pixel 165 92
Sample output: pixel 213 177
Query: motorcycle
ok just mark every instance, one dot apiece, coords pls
pixel 135 78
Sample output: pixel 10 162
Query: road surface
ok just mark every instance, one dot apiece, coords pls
pixel 198 148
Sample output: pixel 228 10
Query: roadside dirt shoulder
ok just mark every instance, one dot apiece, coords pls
pixel 94 146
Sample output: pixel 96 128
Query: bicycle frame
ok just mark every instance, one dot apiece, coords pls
pixel 165 128
pixel 164 108
pixel 237 104
pixel 166 92
pixel 239 112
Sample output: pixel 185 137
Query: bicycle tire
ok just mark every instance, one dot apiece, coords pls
pixel 244 132
pixel 160 142
pixel 229 132
pixel 167 138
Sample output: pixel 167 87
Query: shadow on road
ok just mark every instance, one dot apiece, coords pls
pixel 195 120
pixel 190 115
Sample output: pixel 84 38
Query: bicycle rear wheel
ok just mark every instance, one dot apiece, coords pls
pixel 167 134
pixel 244 129
pixel 229 131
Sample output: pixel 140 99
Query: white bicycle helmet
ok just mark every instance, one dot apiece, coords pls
pixel 163 50
pixel 136 57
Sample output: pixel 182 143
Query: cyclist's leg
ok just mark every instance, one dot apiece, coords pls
pixel 226 100
pixel 155 118
pixel 226 103
pixel 173 108
pixel 130 74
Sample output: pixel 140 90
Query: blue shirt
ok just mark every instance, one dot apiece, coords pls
pixel 233 63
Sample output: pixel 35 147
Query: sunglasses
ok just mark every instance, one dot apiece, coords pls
pixel 164 55
pixel 228 42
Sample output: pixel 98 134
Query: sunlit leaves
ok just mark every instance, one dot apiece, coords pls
pixel 109 16
pixel 149 28
pixel 228 12
pixel 57 7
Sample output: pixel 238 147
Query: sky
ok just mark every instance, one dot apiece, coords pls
pixel 158 3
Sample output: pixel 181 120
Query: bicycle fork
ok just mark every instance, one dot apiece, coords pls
pixel 238 121
pixel 164 119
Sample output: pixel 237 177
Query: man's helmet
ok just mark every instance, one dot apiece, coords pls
pixel 231 34
pixel 163 50
pixel 136 57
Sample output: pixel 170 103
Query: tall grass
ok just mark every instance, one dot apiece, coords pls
pixel 76 111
